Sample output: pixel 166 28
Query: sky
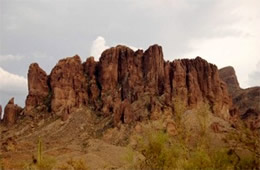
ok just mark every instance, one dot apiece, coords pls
pixel 224 32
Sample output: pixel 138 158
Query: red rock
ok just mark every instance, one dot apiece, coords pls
pixel 131 85
pixel 68 85
pixel 123 112
pixel 196 81
pixel 243 99
pixel 126 112
pixel 38 89
pixel 130 74
pixel 108 69
pixel 11 112
pixel 228 75
pixel 90 69
pixel 153 70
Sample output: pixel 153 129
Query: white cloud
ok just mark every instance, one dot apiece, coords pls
pixel 98 46
pixel 12 85
pixel 10 57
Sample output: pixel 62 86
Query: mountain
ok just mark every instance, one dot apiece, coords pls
pixel 93 110
pixel 130 85
pixel 247 100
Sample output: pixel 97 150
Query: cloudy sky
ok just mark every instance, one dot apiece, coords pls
pixel 224 32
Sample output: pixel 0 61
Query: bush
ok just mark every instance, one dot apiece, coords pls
pixel 246 141
pixel 155 148
pixel 164 152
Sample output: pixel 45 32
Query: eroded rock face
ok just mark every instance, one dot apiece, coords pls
pixel 153 70
pixel 68 85
pixel 247 100
pixel 244 99
pixel 128 75
pixel 38 89
pixel 90 70
pixel 131 85
pixel 228 75
pixel 197 81
pixel 11 112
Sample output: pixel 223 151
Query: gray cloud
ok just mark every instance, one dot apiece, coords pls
pixel 98 46
pixel 45 31
pixel 12 86
pixel 254 77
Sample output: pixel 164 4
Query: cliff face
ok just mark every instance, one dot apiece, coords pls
pixel 247 100
pixel 129 85
pixel 228 75
pixel 68 86
pixel 38 89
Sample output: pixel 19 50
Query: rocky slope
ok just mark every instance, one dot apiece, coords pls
pixel 247 100
pixel 129 85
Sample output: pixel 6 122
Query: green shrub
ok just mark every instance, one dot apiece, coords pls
pixel 246 141
pixel 177 152
pixel 155 148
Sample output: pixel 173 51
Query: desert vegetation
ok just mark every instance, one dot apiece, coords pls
pixel 194 151
pixel 41 162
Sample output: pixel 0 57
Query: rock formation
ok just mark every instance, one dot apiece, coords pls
pixel 246 100
pixel 128 85
pixel 38 89
pixel 11 112
pixel 90 70
pixel 243 98
pixel 198 81
pixel 228 75
pixel 68 85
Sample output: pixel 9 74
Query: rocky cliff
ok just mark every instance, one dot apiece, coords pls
pixel 247 100
pixel 128 85
pixel 243 98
